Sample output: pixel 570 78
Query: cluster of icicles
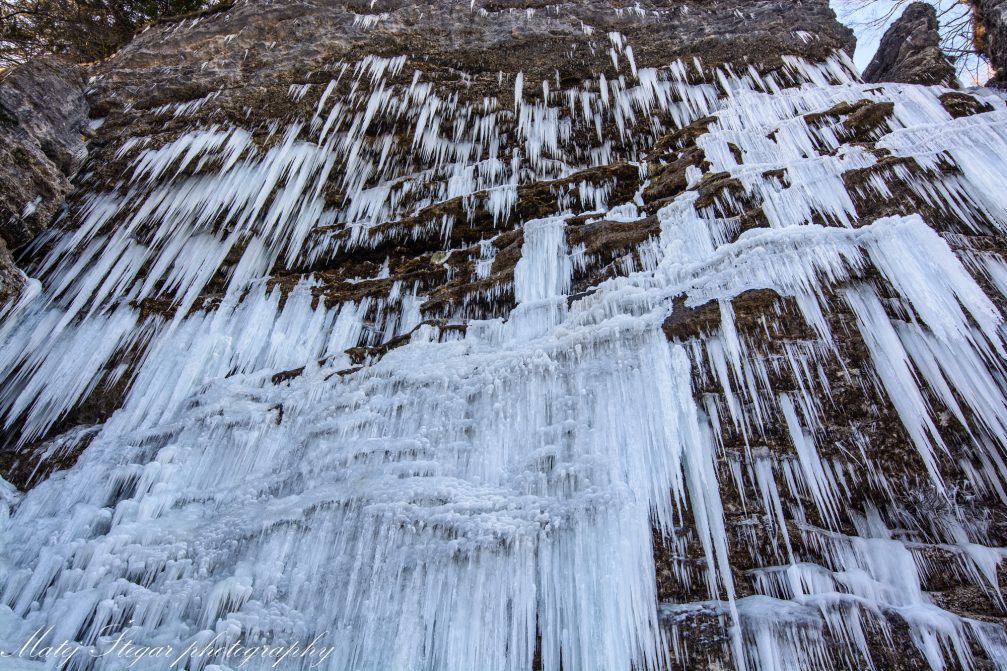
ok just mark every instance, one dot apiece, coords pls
pixel 485 499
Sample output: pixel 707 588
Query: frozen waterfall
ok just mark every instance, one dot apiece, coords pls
pixel 500 492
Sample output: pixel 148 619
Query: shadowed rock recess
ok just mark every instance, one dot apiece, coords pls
pixel 504 335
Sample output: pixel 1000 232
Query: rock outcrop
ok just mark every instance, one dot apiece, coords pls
pixel 990 21
pixel 512 335
pixel 910 51
pixel 43 119
pixel 544 40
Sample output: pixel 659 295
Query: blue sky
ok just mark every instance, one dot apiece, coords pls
pixel 867 37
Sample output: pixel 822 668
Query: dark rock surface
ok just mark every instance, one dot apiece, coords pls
pixel 991 36
pixel 43 119
pixel 910 51
pixel 11 279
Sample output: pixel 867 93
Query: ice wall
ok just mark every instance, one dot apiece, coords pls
pixel 290 462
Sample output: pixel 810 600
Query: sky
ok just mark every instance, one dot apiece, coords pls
pixel 867 36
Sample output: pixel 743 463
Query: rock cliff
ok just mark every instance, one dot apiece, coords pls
pixel 514 335
pixel 43 117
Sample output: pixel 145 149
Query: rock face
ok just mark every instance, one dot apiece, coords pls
pixel 43 116
pixel 910 51
pixel 510 335
pixel 542 40
pixel 11 279
pixel 991 36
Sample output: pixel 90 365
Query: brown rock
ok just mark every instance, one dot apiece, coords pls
pixel 961 104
